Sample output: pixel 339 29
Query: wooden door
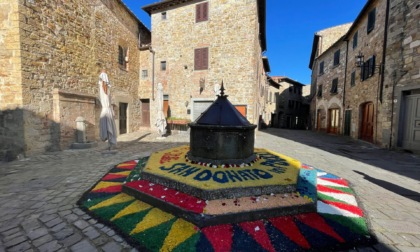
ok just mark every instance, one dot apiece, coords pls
pixel 123 118
pixel 145 112
pixel 411 123
pixel 333 116
pixel 368 116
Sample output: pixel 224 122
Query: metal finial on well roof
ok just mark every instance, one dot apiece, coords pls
pixel 222 89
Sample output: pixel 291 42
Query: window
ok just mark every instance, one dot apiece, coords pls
pixel 144 74
pixel 321 68
pixel 201 58
pixel 164 15
pixel 334 86
pixel 163 65
pixel 337 58
pixel 368 68
pixel 319 93
pixel 290 89
pixel 122 57
pixel 355 39
pixel 353 79
pixel 201 12
pixel 371 20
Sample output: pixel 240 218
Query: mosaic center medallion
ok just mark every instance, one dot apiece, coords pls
pixel 271 172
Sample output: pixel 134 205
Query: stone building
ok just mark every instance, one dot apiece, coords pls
pixel 401 84
pixel 292 107
pixel 378 82
pixel 198 44
pixel 273 102
pixel 51 55
pixel 328 61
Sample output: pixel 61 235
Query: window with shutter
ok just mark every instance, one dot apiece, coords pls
pixel 368 68
pixel 321 68
pixel 122 56
pixel 337 58
pixel 353 79
pixel 201 12
pixel 371 66
pixel 319 94
pixel 355 39
pixel 334 86
pixel 371 20
pixel 201 58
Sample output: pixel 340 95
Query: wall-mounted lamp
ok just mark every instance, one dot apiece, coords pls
pixel 367 67
pixel 359 59
pixel 186 103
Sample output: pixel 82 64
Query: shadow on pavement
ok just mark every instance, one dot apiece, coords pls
pixel 402 163
pixel 392 187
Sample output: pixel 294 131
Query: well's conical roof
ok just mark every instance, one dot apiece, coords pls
pixel 222 112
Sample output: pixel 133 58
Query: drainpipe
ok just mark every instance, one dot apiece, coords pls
pixel 382 69
pixel 345 83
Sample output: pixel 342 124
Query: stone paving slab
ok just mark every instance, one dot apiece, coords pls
pixel 45 189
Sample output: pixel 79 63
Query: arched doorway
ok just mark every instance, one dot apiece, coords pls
pixel 367 122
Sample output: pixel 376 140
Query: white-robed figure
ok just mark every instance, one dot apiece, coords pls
pixel 160 119
pixel 107 129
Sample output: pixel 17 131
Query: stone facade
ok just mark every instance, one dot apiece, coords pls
pixel 273 103
pixel 363 93
pixel 326 43
pixel 292 108
pixel 380 98
pixel 234 55
pixel 52 54
pixel 402 77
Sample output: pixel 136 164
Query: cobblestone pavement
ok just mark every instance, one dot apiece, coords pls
pixel 38 195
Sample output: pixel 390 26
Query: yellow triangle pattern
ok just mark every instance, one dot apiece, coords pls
pixel 119 198
pixel 135 207
pixel 181 230
pixel 124 165
pixel 125 173
pixel 152 219
pixel 103 184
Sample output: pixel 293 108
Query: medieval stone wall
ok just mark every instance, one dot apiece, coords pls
pixel 402 67
pixel 11 133
pixel 366 91
pixel 234 54
pixel 64 45
pixel 327 38
pixel 331 99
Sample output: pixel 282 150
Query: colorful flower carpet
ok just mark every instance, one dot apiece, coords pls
pixel 338 224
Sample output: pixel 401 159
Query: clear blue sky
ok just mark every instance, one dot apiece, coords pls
pixel 291 25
